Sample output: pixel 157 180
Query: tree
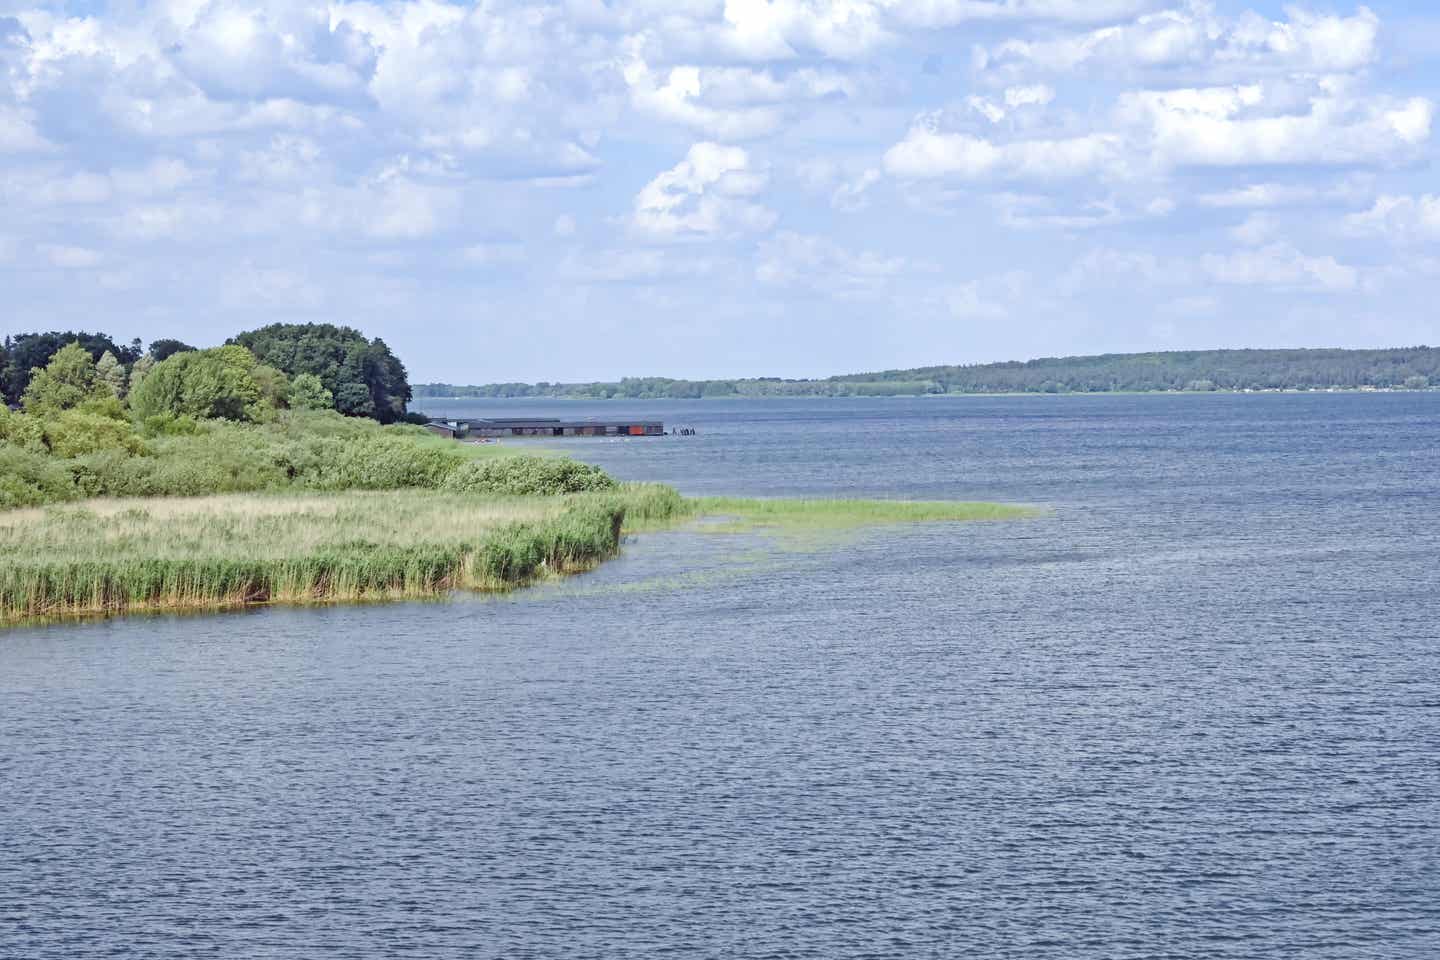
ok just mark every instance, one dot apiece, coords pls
pixel 307 392
pixel 111 374
pixel 274 385
pixel 364 378
pixel 67 381
pixel 223 383
pixel 166 348
pixel 141 367
pixel 27 352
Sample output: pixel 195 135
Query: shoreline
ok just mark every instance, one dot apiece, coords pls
pixel 106 557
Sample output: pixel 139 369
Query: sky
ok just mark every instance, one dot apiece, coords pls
pixel 591 189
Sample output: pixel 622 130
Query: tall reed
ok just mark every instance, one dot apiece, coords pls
pixel 232 551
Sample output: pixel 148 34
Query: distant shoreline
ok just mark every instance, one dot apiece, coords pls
pixel 1196 371
pixel 941 396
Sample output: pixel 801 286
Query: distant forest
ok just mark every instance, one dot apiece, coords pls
pixel 1409 368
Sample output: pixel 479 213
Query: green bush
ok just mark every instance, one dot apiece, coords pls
pixel 29 479
pixel 75 433
pixel 22 431
pixel 307 392
pixel 167 425
pixel 378 462
pixel 529 476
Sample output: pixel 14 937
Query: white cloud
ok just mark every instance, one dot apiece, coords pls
pixel 644 266
pixel 249 286
pixel 405 210
pixel 783 29
pixel 234 50
pixel 71 257
pixel 965 302
pixel 564 226
pixel 1014 98
pixel 1282 266
pixel 18 133
pixel 1256 229
pixel 729 103
pixel 1036 94
pixel 287 158
pixel 1104 265
pixel 678 99
pixel 1199 38
pixel 706 194
pixel 172 221
pixel 926 154
pixel 948 13
pixel 795 259
pixel 850 196
pixel 1241 125
pixel 1401 219
pixel 1258 195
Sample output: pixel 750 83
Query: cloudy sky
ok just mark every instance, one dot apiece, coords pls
pixel 585 189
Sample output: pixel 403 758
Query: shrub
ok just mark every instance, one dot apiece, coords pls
pixel 378 462
pixel 74 433
pixel 167 425
pixel 529 476
pixel 29 479
pixel 22 431
pixel 307 392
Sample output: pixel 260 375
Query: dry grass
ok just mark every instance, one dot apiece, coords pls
pixel 257 525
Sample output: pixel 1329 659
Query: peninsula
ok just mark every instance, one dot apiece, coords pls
pixel 231 476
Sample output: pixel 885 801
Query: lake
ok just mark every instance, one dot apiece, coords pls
pixel 1192 712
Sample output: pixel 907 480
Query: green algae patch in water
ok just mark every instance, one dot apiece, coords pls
pixel 736 514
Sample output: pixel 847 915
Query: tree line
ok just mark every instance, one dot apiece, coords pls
pixel 1198 370
pixel 310 365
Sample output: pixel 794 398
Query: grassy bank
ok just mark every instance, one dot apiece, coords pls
pixel 112 556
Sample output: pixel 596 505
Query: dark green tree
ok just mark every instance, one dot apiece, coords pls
pixel 165 348
pixel 363 376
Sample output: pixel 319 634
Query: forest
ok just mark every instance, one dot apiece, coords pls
pixel 1407 368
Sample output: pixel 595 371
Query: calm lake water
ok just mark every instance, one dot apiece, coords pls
pixel 1192 713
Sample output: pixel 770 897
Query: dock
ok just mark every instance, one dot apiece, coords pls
pixel 488 428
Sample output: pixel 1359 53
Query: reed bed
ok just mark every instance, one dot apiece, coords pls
pixel 106 556
pixel 111 556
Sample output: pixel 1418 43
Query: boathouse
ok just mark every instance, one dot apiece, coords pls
pixel 544 427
